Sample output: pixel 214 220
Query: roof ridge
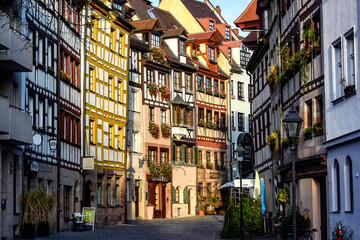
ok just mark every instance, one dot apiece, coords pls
pixel 246 9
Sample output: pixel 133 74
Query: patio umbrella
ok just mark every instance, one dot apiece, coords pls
pixel 226 185
pixel 262 187
pixel 257 186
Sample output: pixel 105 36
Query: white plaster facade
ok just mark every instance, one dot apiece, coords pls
pixel 341 39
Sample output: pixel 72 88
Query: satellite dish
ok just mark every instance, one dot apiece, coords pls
pixel 37 139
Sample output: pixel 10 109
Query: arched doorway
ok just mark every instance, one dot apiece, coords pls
pixel 87 197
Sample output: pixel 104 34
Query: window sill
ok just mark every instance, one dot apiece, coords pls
pixel 350 211
pixel 177 90
pixel 335 211
pixel 338 100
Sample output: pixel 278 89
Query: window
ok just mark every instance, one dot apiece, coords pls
pixel 50 55
pixel 216 159
pixel 190 155
pixel 151 114
pixel 120 93
pixel 336 187
pixel 50 115
pixel 250 124
pixel 200 157
pixel 177 195
pixel 117 191
pixel 188 79
pixel 232 87
pixel 155 41
pixel 241 117
pixel 111 136
pixel 229 54
pixel 120 138
pixel 211 25
pixel 182 47
pixel 67 192
pixel 244 56
pixel 201 114
pixel 152 155
pixel 41 114
pixel 211 54
pixel 110 87
pixel 41 50
pixel 31 107
pixel 178 153
pixel 134 61
pixel 309 113
pixel 134 101
pixel 162 79
pixel 177 80
pixel 200 81
pixel 207 158
pixel 349 192
pixel 108 191
pixel 208 116
pixel 208 83
pixel 99 190
pixel 223 120
pixel 120 50
pixel 92 27
pixel 222 87
pixel 227 32
pixel 149 75
pixel 250 92
pixel 350 57
pixel 232 119
pixel 164 156
pixel 216 85
pixel 216 120
pixel 91 79
pixel 338 68
pixel 111 44
pixel 135 142
pixel 222 159
pixel 91 132
pixel 319 110
pixel 162 116
pixel 240 91
pixel 189 118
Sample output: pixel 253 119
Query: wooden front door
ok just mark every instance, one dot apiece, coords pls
pixel 137 202
pixel 157 197
pixel 189 202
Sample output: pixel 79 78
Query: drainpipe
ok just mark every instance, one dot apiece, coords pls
pixel 251 114
pixel 230 132
pixel 58 144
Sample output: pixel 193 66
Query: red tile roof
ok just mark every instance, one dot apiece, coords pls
pixel 200 9
pixel 144 24
pixel 201 36
pixel 249 14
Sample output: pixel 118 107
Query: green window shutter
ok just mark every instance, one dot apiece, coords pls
pixel 196 155
pixel 186 195
pixel 184 157
pixel 173 152
pixel 173 194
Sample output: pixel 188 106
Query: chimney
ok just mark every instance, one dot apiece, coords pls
pixel 236 31
pixel 218 9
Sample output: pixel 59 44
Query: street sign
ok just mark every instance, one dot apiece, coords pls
pixel 246 183
pixel 88 163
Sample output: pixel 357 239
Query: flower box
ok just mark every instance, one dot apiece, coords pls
pixel 154 130
pixel 223 95
pixel 349 89
pixel 153 88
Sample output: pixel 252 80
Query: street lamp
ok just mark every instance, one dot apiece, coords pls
pixel 239 157
pixel 292 123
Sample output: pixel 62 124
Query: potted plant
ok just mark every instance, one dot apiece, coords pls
pixel 201 210
pixel 223 95
pixel 165 130
pixel 308 133
pixel 209 91
pixel 202 123
pixel 149 211
pixel 317 128
pixel 217 94
pixel 158 54
pixel 30 215
pixel 273 141
pixel 201 89
pixel 164 93
pixel 272 77
pixel 46 204
pixel 154 129
pixel 153 88
pixel 201 165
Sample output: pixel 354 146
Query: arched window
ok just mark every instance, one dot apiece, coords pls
pixel 336 186
pixel 348 182
pixel 177 196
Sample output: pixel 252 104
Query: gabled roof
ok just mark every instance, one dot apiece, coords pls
pixel 200 9
pixel 149 24
pixel 179 101
pixel 251 40
pixel 210 35
pixel 141 7
pixel 249 14
pixel 176 32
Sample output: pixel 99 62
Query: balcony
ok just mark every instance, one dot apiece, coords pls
pixel 15 124
pixel 15 49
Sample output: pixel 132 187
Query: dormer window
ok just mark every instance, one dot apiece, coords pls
pixel 181 46
pixel 227 32
pixel 211 25
pixel 116 6
pixel 155 41
pixel 211 54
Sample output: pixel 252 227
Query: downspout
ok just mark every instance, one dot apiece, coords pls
pixel 251 114
pixel 58 144
pixel 126 131
pixel 83 92
pixel 230 133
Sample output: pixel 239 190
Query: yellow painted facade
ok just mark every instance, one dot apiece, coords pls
pixel 179 11
pixel 223 63
pixel 107 55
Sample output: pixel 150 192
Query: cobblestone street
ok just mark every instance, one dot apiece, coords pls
pixel 207 227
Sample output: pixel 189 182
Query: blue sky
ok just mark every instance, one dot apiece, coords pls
pixel 230 9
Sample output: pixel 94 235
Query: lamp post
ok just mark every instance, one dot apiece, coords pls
pixel 292 124
pixel 239 157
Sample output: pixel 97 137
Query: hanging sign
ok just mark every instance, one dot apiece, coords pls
pixel 88 163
